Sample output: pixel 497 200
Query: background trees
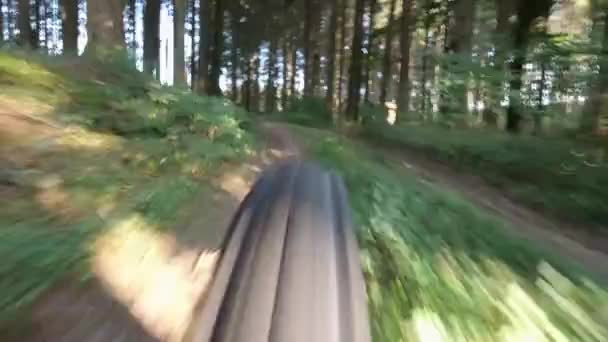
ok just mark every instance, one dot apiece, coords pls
pixel 459 62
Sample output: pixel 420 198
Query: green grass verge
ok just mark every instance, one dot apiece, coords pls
pixel 134 147
pixel 438 268
pixel 557 175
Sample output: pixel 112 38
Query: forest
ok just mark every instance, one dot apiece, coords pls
pixel 470 134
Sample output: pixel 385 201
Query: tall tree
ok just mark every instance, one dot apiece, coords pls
pixel 369 48
pixel 387 59
pixel 342 52
pixel 152 37
pixel 203 46
pixel 132 22
pixel 234 57
pixel 25 28
pixel 459 48
pixel 331 55
pixel 405 41
pixel 598 96
pixel 310 9
pixel 270 101
pixel 1 23
pixel 294 68
pixel 69 10
pixel 104 25
pixel 355 70
pixel 218 49
pixel 527 12
pixel 193 34
pixel 179 59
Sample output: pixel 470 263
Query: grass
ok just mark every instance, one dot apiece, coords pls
pixel 438 268
pixel 121 146
pixel 565 178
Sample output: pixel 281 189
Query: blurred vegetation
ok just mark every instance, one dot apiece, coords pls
pixel 563 176
pixel 438 268
pixel 119 144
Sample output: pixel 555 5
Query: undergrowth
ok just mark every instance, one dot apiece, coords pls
pixel 120 145
pixel 438 268
pixel 557 175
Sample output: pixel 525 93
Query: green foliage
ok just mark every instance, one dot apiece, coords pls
pixel 132 148
pixel 566 178
pixel 438 268
pixel 310 112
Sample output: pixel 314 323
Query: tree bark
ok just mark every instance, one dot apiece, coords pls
pixel 403 97
pixel 105 25
pixel 355 70
pixel 294 68
pixel 598 97
pixel 25 29
pixel 1 24
pixel 218 49
pixel 285 67
pixel 526 14
pixel 179 60
pixel 202 83
pixel 193 34
pixel 425 53
pixel 307 49
pixel 131 12
pixel 234 58
pixel 270 101
pixel 387 60
pixel 331 54
pixel 369 50
pixel 459 45
pixel 343 5
pixel 69 10
pixel 152 37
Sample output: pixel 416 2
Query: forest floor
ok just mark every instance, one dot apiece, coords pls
pixel 581 246
pixel 588 250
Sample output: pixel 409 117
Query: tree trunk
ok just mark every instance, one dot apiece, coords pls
pixel 285 92
pixel 193 33
pixel 308 50
pixel 152 37
pixel 25 30
pixel 331 54
pixel 48 17
pixel 132 11
pixel 234 58
pixel 270 101
pixel 387 60
pixel 203 47
pixel 598 98
pixel 425 53
pixel 294 69
pixel 105 25
pixel 355 70
pixel 1 24
pixel 69 9
pixel 369 50
pixel 343 5
pixel 179 59
pixel 460 47
pixel 218 49
pixel 514 115
pixel 403 97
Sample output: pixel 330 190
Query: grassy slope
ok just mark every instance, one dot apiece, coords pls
pixel 565 178
pixel 122 146
pixel 436 266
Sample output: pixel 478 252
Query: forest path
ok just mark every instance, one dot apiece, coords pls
pixel 574 244
pixel 148 287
